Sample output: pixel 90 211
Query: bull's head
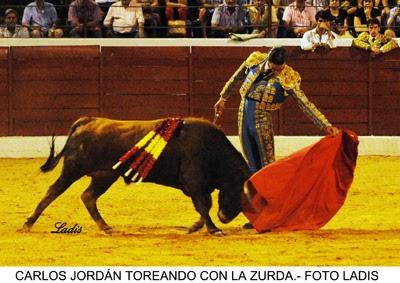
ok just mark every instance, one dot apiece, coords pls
pixel 232 201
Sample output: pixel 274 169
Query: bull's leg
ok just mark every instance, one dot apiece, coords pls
pixel 197 225
pixel 202 203
pixel 55 190
pixel 100 183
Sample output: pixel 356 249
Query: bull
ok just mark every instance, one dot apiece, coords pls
pixel 197 160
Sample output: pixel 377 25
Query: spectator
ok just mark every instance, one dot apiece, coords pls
pixel 124 19
pixel 338 18
pixel 351 7
pixel 206 13
pixel 163 30
pixel 151 17
pixel 40 16
pixel 374 41
pixel 363 14
pixel 321 36
pixel 385 7
pixel 258 21
pixel 11 28
pixel 84 17
pixel 258 13
pixel 298 18
pixel 227 17
pixel 17 5
pixel 394 20
pixel 280 6
pixel 193 20
pixel 176 12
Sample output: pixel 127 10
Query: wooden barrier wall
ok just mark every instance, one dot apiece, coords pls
pixel 44 89
pixel 4 92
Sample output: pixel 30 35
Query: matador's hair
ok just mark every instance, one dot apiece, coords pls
pixel 277 55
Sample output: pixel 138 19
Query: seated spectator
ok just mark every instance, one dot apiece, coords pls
pixel 363 14
pixel 373 40
pixel 258 13
pixel 124 19
pixel 193 21
pixel 338 18
pixel 298 18
pixel 16 5
pixel 321 36
pixel 394 20
pixel 11 28
pixel 152 18
pixel 227 17
pixel 351 7
pixel 384 7
pixel 206 13
pixel 40 16
pixel 84 17
pixel 258 21
pixel 176 13
pixel 280 9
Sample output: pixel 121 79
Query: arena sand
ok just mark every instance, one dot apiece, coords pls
pixel 150 226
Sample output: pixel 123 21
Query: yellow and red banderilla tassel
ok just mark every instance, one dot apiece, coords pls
pixel 148 149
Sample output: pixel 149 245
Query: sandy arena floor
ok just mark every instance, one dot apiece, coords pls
pixel 150 224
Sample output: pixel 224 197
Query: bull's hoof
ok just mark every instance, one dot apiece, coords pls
pixel 196 227
pixel 193 229
pixel 25 228
pixel 218 233
pixel 108 230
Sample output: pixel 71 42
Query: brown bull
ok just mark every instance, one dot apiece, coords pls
pixel 198 159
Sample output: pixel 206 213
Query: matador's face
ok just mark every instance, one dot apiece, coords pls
pixel 276 68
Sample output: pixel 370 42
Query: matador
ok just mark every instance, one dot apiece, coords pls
pixel 266 83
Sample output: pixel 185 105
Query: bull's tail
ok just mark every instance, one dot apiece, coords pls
pixel 54 158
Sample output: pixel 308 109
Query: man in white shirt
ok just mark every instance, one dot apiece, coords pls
pixel 298 18
pixel 11 28
pixel 321 36
pixel 124 19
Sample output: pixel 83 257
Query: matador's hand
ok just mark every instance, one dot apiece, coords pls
pixel 331 130
pixel 219 107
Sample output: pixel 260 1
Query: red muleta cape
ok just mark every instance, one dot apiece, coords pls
pixel 306 189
